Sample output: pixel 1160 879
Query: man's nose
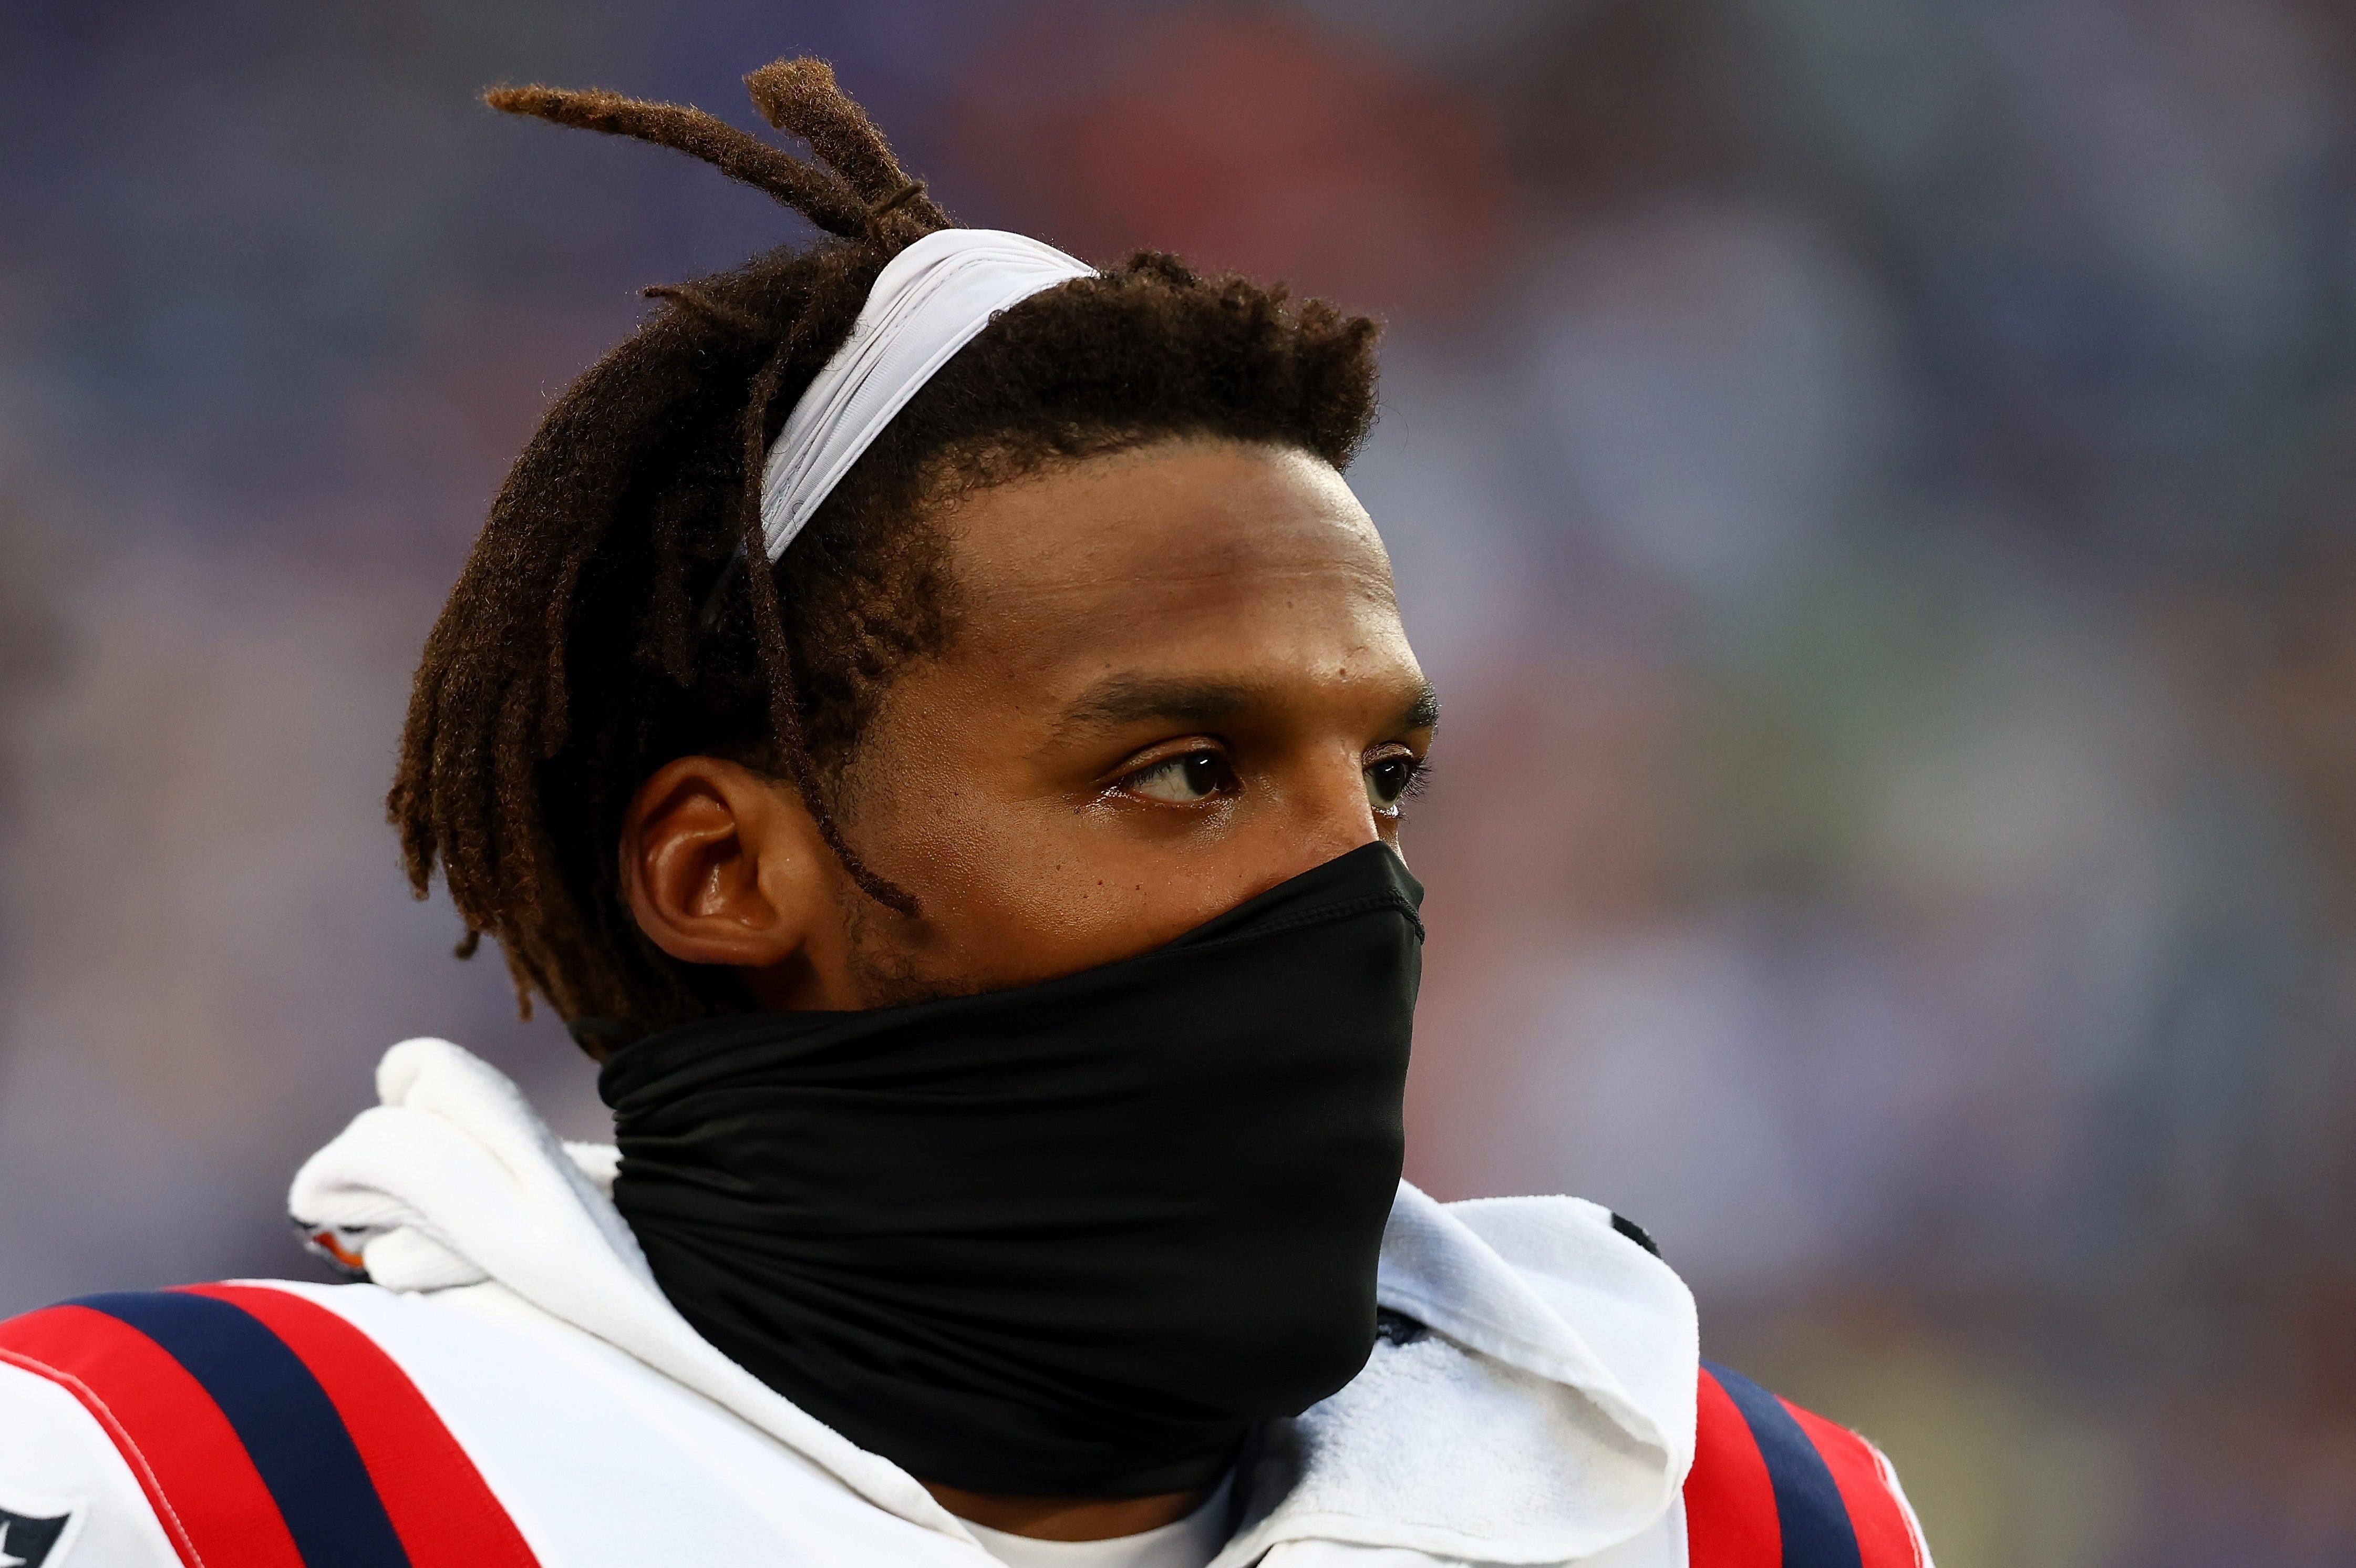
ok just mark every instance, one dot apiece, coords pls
pixel 1327 815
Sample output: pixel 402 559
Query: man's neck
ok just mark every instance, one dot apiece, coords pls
pixel 1067 1519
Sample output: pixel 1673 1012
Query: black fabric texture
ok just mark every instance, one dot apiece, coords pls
pixel 1073 1240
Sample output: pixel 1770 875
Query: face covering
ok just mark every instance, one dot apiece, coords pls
pixel 1074 1239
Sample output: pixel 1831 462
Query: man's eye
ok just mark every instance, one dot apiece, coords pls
pixel 1181 780
pixel 1390 780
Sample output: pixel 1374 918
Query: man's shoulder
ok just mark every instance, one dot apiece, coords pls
pixel 1775 1483
pixel 65 1489
pixel 236 1343
pixel 251 1422
pixel 278 1364
pixel 117 1354
pixel 283 1422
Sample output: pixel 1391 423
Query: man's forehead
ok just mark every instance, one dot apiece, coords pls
pixel 1225 640
pixel 1193 579
pixel 1173 522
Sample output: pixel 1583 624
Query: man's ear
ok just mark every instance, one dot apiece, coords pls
pixel 723 866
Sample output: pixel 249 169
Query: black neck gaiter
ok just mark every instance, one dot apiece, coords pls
pixel 1073 1240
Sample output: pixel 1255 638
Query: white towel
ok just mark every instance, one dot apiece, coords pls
pixel 454 1179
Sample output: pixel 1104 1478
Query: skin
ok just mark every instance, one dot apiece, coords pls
pixel 1178 679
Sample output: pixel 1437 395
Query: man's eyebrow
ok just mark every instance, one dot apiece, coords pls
pixel 1423 712
pixel 1124 699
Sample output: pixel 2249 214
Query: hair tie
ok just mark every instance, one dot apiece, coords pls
pixel 890 203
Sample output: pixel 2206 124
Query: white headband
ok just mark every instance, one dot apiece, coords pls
pixel 928 302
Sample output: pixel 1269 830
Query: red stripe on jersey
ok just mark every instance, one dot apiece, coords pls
pixel 1730 1519
pixel 439 1505
pixel 206 1492
pixel 1883 1537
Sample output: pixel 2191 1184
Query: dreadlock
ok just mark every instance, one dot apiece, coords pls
pixel 618 609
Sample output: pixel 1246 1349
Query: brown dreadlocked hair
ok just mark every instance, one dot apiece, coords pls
pixel 617 611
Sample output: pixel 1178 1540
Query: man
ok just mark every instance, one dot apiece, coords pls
pixel 936 721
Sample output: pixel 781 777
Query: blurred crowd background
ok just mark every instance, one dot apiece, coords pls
pixel 1874 480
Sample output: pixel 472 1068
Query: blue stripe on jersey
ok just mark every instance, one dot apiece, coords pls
pixel 1808 1508
pixel 285 1420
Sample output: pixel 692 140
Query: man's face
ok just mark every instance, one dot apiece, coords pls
pixel 1178 680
